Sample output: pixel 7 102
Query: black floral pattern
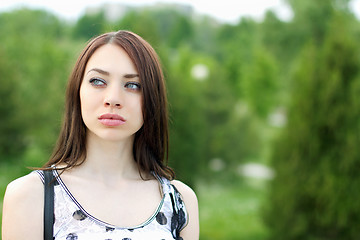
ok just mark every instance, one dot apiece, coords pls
pixel 178 219
pixel 79 215
pixel 177 222
pixel 161 218
pixel 109 229
pixel 71 236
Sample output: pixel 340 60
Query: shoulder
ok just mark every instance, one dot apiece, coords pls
pixel 30 180
pixel 191 231
pixel 24 187
pixel 22 207
pixel 187 193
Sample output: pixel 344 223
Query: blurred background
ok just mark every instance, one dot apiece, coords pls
pixel 264 103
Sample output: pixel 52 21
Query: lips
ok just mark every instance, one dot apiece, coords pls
pixel 111 120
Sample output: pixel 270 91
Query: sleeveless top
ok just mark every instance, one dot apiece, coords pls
pixel 73 222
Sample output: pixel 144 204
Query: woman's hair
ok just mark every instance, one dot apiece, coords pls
pixel 150 147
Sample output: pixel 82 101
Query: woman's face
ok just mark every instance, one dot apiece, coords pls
pixel 110 95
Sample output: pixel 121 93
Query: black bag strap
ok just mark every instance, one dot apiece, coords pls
pixel 48 205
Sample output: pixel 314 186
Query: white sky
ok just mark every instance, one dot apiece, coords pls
pixel 224 10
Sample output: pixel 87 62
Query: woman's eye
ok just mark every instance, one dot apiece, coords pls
pixel 97 82
pixel 133 85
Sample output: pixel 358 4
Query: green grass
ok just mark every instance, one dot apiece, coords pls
pixel 231 211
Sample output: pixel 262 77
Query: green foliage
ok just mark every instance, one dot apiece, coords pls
pixel 10 127
pixel 313 195
pixel 181 32
pixel 24 22
pixel 246 72
pixel 274 35
pixel 313 16
pixel 260 83
pixel 187 132
pixel 134 21
pixel 33 82
pixel 89 26
pixel 24 78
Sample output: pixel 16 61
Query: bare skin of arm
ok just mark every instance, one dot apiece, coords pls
pixel 191 231
pixel 23 209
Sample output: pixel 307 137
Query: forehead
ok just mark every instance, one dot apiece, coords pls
pixel 111 58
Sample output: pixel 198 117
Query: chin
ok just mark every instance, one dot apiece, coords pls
pixel 111 136
pixel 118 138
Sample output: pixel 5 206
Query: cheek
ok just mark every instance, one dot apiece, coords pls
pixel 139 110
pixel 86 102
pixel 83 110
pixel 82 101
pixel 87 98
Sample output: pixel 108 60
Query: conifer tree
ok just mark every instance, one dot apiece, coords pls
pixel 316 158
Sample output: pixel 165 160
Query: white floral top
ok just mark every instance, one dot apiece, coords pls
pixel 73 222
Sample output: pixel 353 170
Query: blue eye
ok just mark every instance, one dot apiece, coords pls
pixel 97 82
pixel 133 85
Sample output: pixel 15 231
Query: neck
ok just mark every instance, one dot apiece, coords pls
pixel 110 158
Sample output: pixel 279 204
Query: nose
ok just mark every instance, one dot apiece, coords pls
pixel 112 103
pixel 113 98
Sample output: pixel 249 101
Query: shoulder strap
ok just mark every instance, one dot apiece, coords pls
pixel 48 205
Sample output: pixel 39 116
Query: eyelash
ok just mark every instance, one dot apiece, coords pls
pixel 94 80
pixel 136 84
pixel 98 82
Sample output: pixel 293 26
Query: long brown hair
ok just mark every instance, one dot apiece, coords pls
pixel 150 147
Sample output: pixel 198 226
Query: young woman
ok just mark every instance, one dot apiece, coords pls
pixel 112 181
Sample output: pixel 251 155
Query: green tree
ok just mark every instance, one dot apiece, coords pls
pixel 37 60
pixel 311 18
pixel 181 32
pixel 260 82
pixel 173 26
pixel 187 118
pixel 276 34
pixel 143 23
pixel 11 128
pixel 316 159
pixel 89 25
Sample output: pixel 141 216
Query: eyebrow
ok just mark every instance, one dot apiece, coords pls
pixel 99 71
pixel 103 72
pixel 131 75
